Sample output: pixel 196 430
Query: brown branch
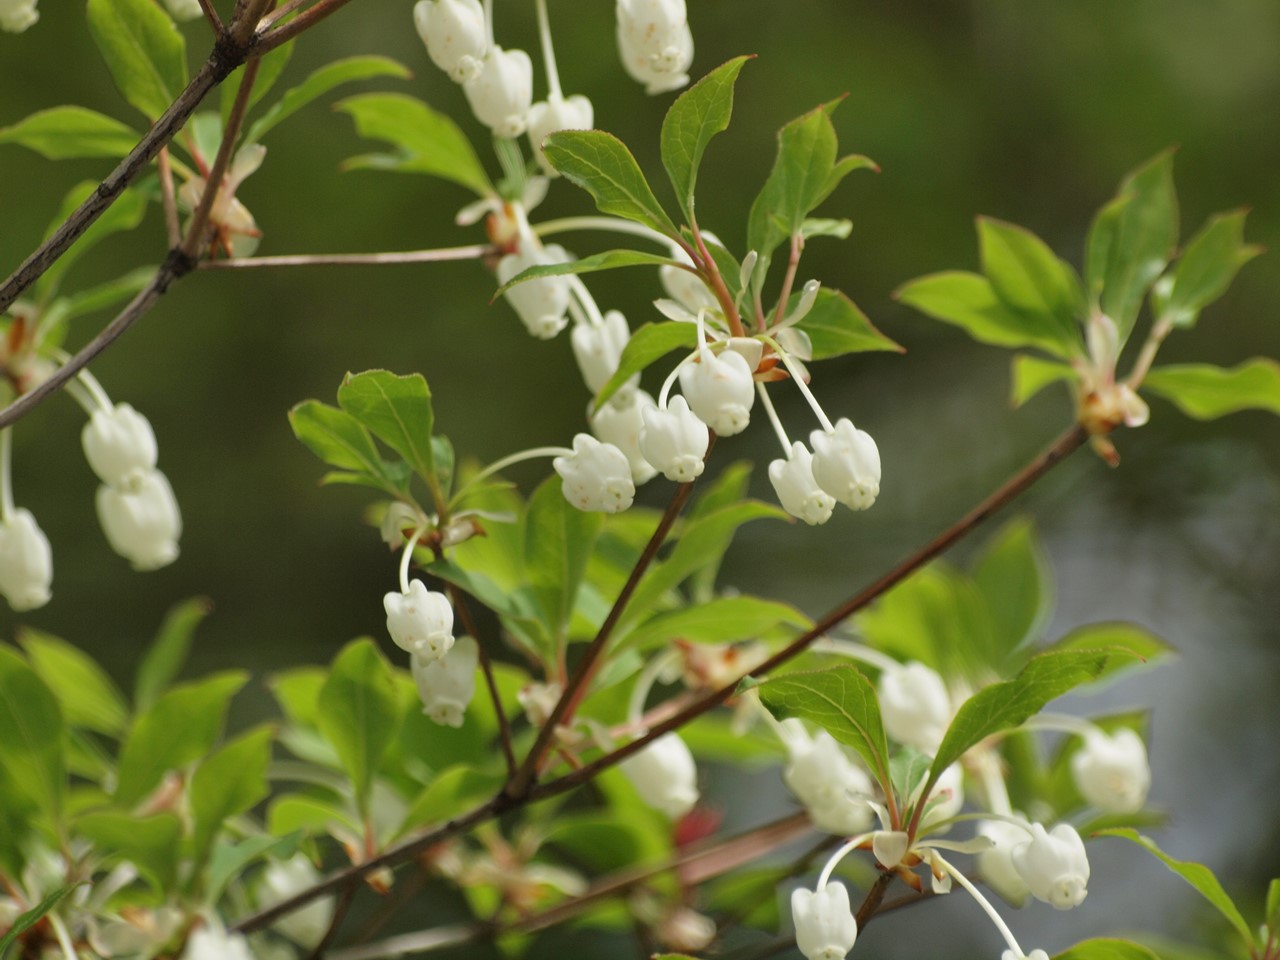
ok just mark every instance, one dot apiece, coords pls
pixel 575 689
pixel 1070 441
pixel 282 34
pixel 211 15
pixel 871 903
pixel 486 665
pixel 173 230
pixel 473 252
pixel 335 924
pixel 279 13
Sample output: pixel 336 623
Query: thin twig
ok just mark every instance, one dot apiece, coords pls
pixel 335 924
pixel 472 252
pixel 1070 441
pixel 486 665
pixel 279 13
pixel 282 34
pixel 173 230
pixel 871 903
pixel 587 665
pixel 211 15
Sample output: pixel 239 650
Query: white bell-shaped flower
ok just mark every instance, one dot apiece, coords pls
pixel 543 303
pixel 1054 865
pixel 597 477
pixel 947 798
pixel 831 786
pixel 687 288
pixel 283 879
pixel 26 562
pixel 619 422
pixel 184 9
pixel 846 464
pixel 213 942
pixel 502 92
pixel 446 685
pixel 826 928
pixel 915 706
pixel 675 441
pixel 720 390
pixel 1112 771
pixel 455 35
pixel 598 350
pixel 665 775
pixel 141 520
pixel 17 15
pixel 798 492
pixel 420 621
pixel 119 444
pixel 655 42
pixel 995 864
pixel 557 113
pixel 1033 955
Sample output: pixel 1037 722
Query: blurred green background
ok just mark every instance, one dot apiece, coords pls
pixel 1028 110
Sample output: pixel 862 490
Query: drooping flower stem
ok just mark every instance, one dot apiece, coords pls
pixel 548 51
pixel 406 556
pixel 985 904
pixel 6 474
pixel 772 414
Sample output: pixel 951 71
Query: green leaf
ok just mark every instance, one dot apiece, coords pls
pixel 342 441
pixel 1003 706
pixel 144 51
pixel 1146 648
pixel 823 227
pixel 907 769
pixel 649 343
pixel 359 713
pixel 453 792
pixel 1131 241
pixel 168 651
pixel 1014 577
pixel 1211 261
pixel 180 727
pixel 1205 392
pixel 398 412
pixel 1103 949
pixel 722 620
pixel 125 214
pixel 969 301
pixel 150 843
pixel 842 701
pixel 558 540
pixel 694 119
pixel 1272 916
pixel 105 295
pixel 609 260
pixel 797 183
pixel 1199 876
pixel 229 860
pixel 1032 282
pixel 32 747
pixel 600 163
pixel 88 697
pixel 327 78
pixel 1031 375
pixel 836 326
pixel 228 783
pixel 26 921
pixel 426 141
pixel 69 133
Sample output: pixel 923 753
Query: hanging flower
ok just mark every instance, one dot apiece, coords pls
pixel 420 621
pixel 826 928
pixel 798 492
pixel 846 464
pixel 655 43
pixel 455 34
pixel 665 776
pixel 915 706
pixel 17 15
pixel 502 92
pixel 141 520
pixel 447 684
pixel 26 562
pixel 213 942
pixel 1054 865
pixel 598 349
pixel 557 113
pixel 542 303
pixel 597 476
pixel 283 879
pixel 620 422
pixel 675 441
pixel 832 788
pixel 184 9
pixel 1112 771
pixel 996 863
pixel 719 390
pixel 119 444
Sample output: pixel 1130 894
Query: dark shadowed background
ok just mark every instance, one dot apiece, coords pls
pixel 1028 111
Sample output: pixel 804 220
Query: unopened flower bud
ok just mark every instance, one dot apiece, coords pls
pixel 455 34
pixel 420 621
pixel 184 9
pixel 675 441
pixel 797 491
pixel 542 303
pixel 720 391
pixel 598 350
pixel 1112 771
pixel 995 864
pixel 26 562
pixel 283 879
pixel 655 42
pixel 119 444
pixel 141 520
pixel 446 685
pixel 665 776
pixel 915 706
pixel 538 701
pixel 823 778
pixel 686 930
pixel 825 926
pixel 502 92
pixel 1054 865
pixel 947 798
pixel 17 15
pixel 557 113
pixel 597 477
pixel 619 422
pixel 846 464
pixel 687 288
